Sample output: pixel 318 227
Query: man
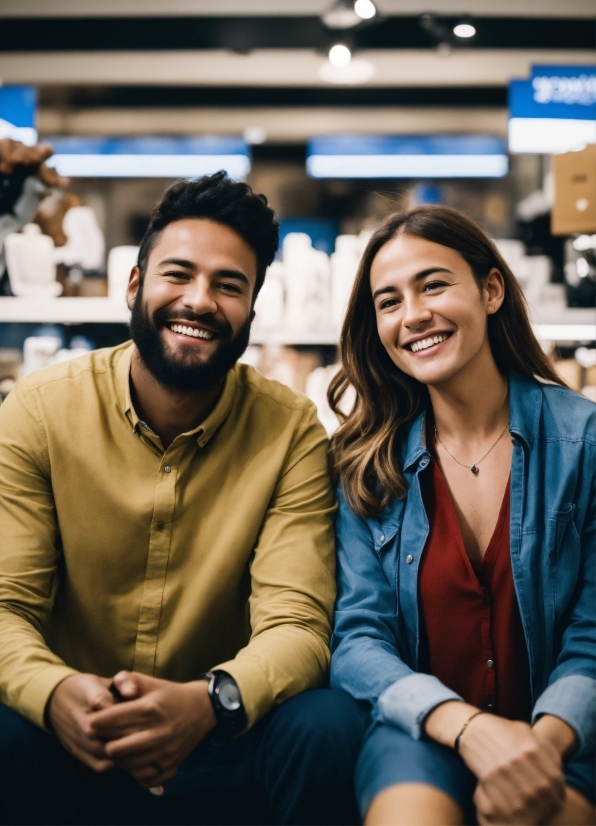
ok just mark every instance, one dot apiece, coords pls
pixel 167 556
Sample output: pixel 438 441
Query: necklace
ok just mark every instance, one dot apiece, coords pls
pixel 474 467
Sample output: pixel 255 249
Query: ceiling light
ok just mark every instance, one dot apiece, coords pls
pixel 341 15
pixel 254 135
pixel 357 71
pixel 339 55
pixel 464 30
pixel 365 9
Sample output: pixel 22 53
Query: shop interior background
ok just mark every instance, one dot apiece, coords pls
pixel 136 93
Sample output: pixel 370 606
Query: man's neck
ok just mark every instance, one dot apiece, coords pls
pixel 168 412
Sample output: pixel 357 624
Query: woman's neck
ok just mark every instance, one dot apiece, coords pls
pixel 473 404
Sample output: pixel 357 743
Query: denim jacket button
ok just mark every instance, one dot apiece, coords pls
pixel 409 559
pixel 382 538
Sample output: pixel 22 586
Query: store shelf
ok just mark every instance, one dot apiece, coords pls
pixel 568 324
pixel 62 310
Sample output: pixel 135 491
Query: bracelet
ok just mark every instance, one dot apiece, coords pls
pixel 464 727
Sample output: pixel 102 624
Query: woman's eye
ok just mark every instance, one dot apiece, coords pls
pixel 434 285
pixel 388 303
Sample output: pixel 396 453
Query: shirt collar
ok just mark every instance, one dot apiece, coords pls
pixel 525 407
pixel 208 426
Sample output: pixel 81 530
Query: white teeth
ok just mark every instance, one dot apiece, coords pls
pixel 191 331
pixel 427 342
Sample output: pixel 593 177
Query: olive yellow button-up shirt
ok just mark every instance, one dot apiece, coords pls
pixel 115 554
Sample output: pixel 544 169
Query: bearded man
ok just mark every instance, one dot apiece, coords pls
pixel 167 557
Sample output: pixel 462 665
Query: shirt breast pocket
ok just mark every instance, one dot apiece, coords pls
pixel 564 552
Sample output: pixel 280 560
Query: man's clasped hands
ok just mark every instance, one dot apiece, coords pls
pixel 148 735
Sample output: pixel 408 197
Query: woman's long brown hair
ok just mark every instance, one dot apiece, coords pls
pixel 364 450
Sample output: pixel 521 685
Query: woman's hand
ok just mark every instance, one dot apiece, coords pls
pixel 520 779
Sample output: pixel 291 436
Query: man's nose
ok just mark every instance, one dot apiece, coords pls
pixel 199 297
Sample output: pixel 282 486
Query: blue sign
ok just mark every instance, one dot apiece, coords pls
pixel 407 145
pixel 18 105
pixel 555 92
pixel 150 146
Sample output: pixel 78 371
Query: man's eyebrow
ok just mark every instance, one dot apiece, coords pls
pixel 417 277
pixel 179 262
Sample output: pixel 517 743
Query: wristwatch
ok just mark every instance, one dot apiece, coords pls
pixel 227 705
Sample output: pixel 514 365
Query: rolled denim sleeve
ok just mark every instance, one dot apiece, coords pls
pixel 409 701
pixel 573 699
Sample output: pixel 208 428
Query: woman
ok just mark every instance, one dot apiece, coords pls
pixel 466 540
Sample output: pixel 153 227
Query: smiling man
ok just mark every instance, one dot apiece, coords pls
pixel 167 558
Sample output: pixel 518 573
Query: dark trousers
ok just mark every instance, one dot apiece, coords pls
pixel 296 765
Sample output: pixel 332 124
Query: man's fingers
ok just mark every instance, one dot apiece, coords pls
pixel 139 743
pixel 131 684
pixel 121 719
pixel 51 177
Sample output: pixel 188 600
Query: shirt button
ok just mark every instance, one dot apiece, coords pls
pixel 382 538
pixel 490 663
pixel 409 559
pixel 160 526
pixel 167 469
pixel 489 707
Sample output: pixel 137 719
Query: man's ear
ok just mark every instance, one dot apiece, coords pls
pixel 252 315
pixel 134 283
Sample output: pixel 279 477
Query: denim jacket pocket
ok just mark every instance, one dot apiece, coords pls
pixel 564 552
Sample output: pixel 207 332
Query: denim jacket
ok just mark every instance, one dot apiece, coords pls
pixel 376 641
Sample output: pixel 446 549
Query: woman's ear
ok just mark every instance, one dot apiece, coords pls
pixel 494 290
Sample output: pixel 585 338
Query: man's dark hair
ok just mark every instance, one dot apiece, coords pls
pixel 217 198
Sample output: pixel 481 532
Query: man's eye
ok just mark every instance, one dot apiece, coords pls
pixel 232 288
pixel 181 276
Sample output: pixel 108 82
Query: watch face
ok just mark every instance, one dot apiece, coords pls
pixel 229 696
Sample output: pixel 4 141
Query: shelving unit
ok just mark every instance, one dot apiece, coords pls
pixel 566 325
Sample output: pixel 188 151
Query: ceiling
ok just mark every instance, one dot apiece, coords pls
pixel 148 67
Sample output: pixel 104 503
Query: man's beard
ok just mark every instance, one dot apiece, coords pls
pixel 184 371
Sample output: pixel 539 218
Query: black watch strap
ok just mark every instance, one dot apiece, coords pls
pixel 227 705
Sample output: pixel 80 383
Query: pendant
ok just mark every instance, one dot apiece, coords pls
pixel 474 469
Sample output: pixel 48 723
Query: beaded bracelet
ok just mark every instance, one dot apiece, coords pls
pixel 464 727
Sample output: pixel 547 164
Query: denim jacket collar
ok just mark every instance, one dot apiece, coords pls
pixel 525 403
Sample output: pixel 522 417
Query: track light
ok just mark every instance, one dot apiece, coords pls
pixel 339 55
pixel 365 9
pixel 464 30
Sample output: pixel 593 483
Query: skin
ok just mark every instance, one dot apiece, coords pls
pixel 421 290
pixel 14 152
pixel 206 269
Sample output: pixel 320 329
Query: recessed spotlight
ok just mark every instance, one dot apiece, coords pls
pixel 365 9
pixel 339 55
pixel 464 30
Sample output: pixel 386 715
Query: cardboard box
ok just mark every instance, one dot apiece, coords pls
pixel 574 209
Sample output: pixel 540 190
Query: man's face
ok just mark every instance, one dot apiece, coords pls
pixel 191 315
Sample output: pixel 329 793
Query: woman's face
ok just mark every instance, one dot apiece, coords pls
pixel 431 316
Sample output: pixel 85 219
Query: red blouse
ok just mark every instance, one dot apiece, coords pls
pixel 474 634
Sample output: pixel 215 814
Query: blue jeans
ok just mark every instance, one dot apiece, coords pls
pixel 296 765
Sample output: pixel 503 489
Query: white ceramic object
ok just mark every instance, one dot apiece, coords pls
pixel 317 385
pixel 39 352
pixel 307 284
pixel 31 264
pixel 269 306
pixel 121 260
pixel 344 264
pixel 86 245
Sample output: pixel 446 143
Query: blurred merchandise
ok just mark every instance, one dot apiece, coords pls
pixel 580 271
pixel 289 365
pixel 85 245
pixel 307 283
pixel 574 208
pixel 31 263
pixel 39 352
pixel 534 273
pixel 269 306
pixel 121 260
pixel 317 385
pixel 10 362
pixel 570 372
pixel 344 264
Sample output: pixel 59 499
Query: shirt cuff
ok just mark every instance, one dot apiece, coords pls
pixel 573 699
pixel 36 694
pixel 410 700
pixel 253 686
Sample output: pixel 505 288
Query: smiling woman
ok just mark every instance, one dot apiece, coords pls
pixel 445 525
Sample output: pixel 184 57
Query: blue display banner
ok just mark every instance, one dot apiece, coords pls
pixel 150 146
pixel 555 92
pixel 407 145
pixel 18 105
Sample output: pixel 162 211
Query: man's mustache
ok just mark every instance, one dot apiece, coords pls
pixel 162 317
